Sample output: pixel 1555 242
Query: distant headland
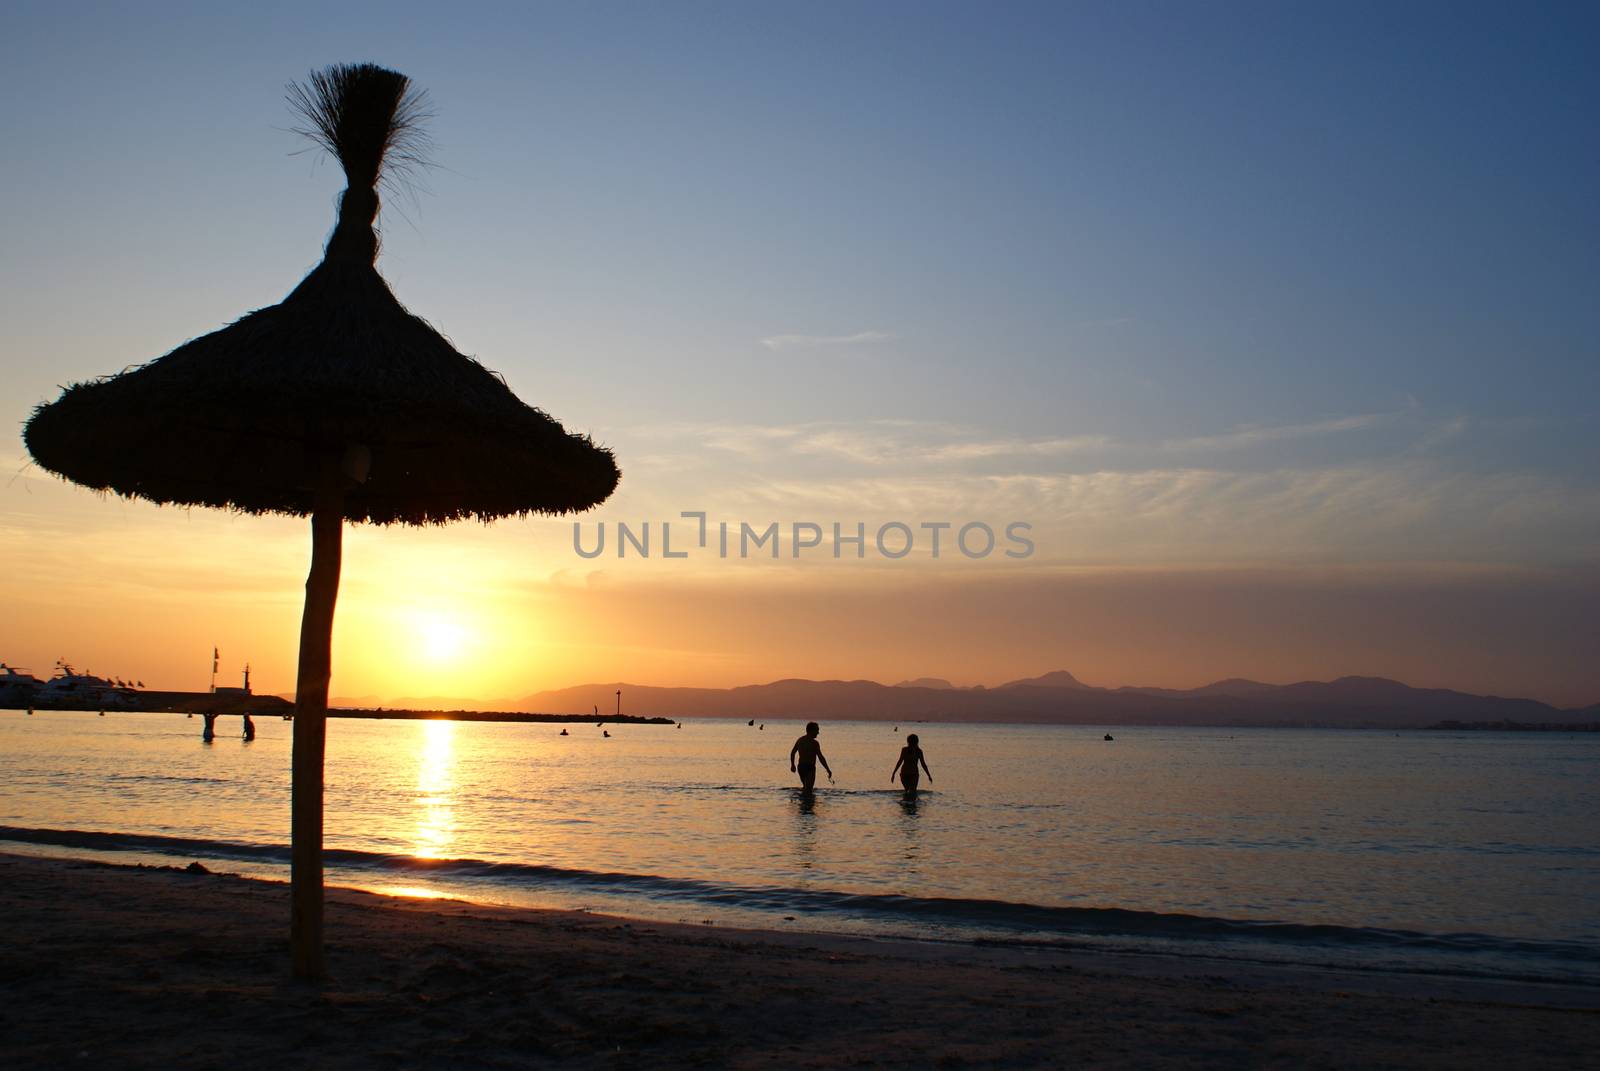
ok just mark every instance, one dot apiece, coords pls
pixel 495 715
pixel 68 689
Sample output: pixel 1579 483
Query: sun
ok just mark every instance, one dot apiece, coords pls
pixel 442 638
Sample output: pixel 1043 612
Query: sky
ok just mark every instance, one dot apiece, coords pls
pixel 1274 324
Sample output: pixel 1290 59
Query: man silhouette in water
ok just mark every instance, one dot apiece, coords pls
pixel 810 753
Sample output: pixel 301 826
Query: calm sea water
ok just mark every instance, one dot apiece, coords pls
pixel 1472 852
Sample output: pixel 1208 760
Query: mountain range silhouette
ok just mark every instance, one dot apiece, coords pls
pixel 1057 697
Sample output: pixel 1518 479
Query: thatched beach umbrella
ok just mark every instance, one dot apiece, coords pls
pixel 336 403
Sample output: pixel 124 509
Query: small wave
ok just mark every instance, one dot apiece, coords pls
pixel 969 913
pixel 163 779
pixel 144 842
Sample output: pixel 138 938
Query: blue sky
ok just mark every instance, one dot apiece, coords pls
pixel 1164 216
pixel 1186 284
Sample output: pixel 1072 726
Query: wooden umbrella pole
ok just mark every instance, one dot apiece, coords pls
pixel 310 729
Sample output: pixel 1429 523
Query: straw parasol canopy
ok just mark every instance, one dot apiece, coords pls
pixel 336 404
pixel 245 418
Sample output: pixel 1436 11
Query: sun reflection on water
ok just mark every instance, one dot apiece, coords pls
pixel 436 820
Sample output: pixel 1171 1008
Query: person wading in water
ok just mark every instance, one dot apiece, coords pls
pixel 906 767
pixel 809 753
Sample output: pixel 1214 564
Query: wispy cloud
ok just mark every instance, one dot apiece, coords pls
pixel 875 442
pixel 1056 446
pixel 1256 434
pixel 1394 484
pixel 1437 436
pixel 910 442
pixel 1381 511
pixel 812 342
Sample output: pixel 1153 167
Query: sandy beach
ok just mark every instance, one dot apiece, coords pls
pixel 118 966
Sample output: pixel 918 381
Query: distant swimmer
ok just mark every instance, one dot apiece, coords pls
pixel 809 753
pixel 564 732
pixel 763 727
pixel 1110 737
pixel 752 721
pixel 906 765
pixel 606 733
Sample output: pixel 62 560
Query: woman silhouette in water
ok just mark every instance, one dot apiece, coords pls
pixel 809 753
pixel 906 766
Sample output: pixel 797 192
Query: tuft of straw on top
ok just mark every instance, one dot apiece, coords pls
pixel 366 116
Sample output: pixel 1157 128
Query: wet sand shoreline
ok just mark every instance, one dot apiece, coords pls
pixel 154 967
